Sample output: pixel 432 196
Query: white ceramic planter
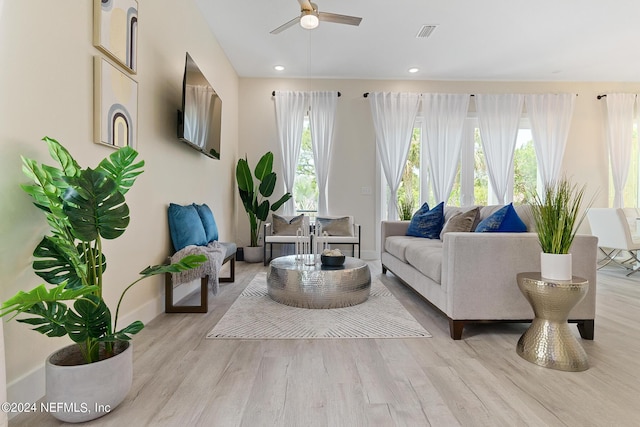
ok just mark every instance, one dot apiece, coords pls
pixel 253 253
pixel 555 266
pixel 81 393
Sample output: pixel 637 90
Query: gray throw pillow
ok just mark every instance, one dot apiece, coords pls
pixel 461 222
pixel 284 227
pixel 335 226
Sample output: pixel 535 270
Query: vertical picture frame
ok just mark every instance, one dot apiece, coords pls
pixel 115 106
pixel 115 31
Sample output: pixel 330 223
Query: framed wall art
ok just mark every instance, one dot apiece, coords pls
pixel 115 105
pixel 115 30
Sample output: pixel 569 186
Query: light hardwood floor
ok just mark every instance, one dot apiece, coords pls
pixel 183 379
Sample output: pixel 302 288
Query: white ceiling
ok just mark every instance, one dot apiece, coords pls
pixel 499 40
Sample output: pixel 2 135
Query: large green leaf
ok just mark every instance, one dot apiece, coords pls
pixel 281 201
pixel 95 207
pixel 23 301
pixel 124 334
pixel 90 320
pixel 68 164
pixel 262 211
pixel 121 168
pixel 50 320
pixel 244 177
pixel 186 263
pixel 264 166
pixel 268 184
pixel 58 261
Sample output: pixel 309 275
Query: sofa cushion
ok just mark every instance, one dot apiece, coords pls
pixel 208 221
pixel 461 222
pixel 397 245
pixel 426 257
pixel 504 220
pixel 286 227
pixel 185 227
pixel 428 224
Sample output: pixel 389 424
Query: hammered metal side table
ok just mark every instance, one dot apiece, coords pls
pixel 297 284
pixel 549 342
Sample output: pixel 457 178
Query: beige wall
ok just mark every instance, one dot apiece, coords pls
pixel 46 88
pixel 354 157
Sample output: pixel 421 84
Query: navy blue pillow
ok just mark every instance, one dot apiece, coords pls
pixel 185 227
pixel 423 209
pixel 208 221
pixel 504 220
pixel 427 224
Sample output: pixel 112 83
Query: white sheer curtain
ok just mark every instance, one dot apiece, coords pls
pixel 467 164
pixel 198 101
pixel 394 115
pixel 498 119
pixel 620 137
pixel 550 116
pixel 444 116
pixel 290 109
pixel 322 116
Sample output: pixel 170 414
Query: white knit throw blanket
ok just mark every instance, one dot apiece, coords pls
pixel 215 256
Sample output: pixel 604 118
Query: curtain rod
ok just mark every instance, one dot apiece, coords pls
pixel 601 96
pixel 366 94
pixel 274 93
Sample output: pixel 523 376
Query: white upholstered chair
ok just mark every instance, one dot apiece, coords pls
pixel 337 230
pixel 285 230
pixel 615 239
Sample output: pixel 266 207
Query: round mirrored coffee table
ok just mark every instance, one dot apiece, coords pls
pixel 292 282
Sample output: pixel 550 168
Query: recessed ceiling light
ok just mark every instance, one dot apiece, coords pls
pixel 413 70
pixel 279 68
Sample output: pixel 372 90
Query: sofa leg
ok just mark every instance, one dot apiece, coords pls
pixel 585 327
pixel 455 329
pixel 384 269
pixel 170 307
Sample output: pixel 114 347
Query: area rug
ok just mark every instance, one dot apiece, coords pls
pixel 254 315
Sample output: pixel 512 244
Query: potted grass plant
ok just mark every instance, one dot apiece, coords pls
pixel 557 215
pixel 82 207
pixel 254 192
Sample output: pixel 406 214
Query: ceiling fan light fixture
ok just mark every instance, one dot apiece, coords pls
pixel 309 20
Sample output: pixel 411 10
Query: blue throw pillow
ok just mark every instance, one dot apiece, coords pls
pixel 208 221
pixel 427 224
pixel 423 209
pixel 504 220
pixel 185 227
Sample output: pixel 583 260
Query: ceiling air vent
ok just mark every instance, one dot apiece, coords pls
pixel 425 31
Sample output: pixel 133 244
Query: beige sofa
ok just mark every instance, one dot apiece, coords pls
pixel 471 277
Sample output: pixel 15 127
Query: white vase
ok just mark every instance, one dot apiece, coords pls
pixel 555 266
pixel 80 393
pixel 253 253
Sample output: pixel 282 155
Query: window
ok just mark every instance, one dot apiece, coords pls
pixel 471 184
pixel 305 188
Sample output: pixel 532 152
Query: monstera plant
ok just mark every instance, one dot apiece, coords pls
pixel 82 207
pixel 254 194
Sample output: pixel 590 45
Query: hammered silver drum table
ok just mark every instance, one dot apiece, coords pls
pixel 292 282
pixel 549 342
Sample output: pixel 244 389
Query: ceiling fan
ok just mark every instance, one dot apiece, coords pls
pixel 309 18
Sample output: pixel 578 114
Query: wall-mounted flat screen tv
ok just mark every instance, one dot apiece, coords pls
pixel 200 120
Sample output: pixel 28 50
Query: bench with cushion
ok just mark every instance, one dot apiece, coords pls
pixel 194 225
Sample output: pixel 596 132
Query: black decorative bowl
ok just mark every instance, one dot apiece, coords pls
pixel 332 261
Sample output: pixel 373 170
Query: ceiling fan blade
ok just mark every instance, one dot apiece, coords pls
pixel 339 19
pixel 305 5
pixel 286 25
